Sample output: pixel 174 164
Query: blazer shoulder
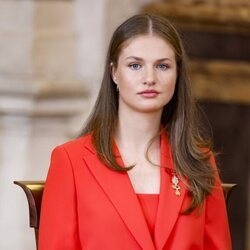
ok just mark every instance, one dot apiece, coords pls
pixel 77 147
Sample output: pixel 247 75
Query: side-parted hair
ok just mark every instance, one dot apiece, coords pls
pixel 190 152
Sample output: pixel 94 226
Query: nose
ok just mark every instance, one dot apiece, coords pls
pixel 149 77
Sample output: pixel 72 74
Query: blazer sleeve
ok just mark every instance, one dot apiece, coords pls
pixel 58 220
pixel 217 233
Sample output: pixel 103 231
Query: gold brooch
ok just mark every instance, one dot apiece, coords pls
pixel 175 185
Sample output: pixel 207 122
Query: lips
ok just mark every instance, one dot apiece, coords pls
pixel 149 93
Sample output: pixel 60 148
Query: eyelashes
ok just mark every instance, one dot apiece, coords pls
pixel 163 66
pixel 134 66
pixel 138 66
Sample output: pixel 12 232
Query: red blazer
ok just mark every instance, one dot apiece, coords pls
pixel 88 206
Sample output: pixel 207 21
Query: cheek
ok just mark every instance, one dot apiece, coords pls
pixel 169 80
pixel 173 85
pixel 128 79
pixel 169 85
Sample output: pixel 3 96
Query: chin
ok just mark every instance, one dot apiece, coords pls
pixel 149 110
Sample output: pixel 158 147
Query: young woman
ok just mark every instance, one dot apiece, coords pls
pixel 140 176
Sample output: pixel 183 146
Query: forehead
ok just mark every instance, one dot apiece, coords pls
pixel 147 46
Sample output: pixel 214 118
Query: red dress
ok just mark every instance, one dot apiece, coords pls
pixel 149 205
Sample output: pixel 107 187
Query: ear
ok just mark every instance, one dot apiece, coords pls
pixel 113 72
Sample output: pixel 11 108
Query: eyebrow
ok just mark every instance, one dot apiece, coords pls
pixel 140 59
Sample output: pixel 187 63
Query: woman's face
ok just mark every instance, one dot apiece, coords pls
pixel 145 74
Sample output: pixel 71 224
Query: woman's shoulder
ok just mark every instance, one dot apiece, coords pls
pixel 79 146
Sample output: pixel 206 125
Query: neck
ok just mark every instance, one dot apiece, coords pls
pixel 135 129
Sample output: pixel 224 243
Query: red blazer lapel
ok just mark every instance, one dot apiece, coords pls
pixel 169 203
pixel 119 190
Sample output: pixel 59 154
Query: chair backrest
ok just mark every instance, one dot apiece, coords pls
pixel 34 193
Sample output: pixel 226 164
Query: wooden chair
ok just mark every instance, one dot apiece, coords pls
pixel 227 189
pixel 34 193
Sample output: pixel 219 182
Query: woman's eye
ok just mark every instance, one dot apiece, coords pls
pixel 135 66
pixel 163 66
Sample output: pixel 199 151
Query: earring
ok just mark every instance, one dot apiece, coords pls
pixel 117 87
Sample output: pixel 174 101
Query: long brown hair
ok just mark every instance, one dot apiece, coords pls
pixel 190 152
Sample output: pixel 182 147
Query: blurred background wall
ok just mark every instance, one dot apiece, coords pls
pixel 217 39
pixel 51 59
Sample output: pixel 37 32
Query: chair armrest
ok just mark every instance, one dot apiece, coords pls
pixel 227 189
pixel 34 192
